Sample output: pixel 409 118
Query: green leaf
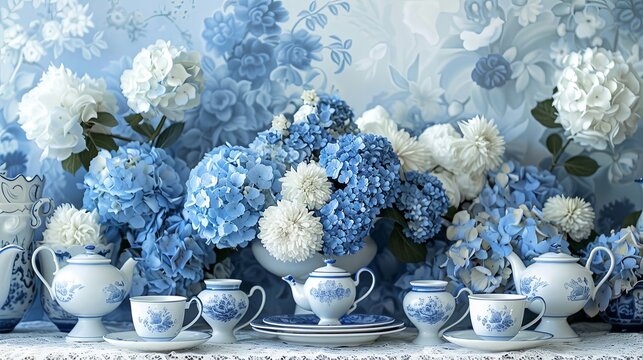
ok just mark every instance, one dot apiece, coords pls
pixel 546 114
pixel 404 249
pixel 104 141
pixel 581 166
pixel 72 163
pixel 577 246
pixel 138 124
pixel 106 119
pixel 169 136
pixel 554 143
pixel 631 219
pixel 86 156
pixel 393 214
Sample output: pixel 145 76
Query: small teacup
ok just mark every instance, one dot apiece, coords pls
pixel 499 316
pixel 160 318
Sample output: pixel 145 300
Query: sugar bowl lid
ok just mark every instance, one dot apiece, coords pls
pixel 89 257
pixel 330 270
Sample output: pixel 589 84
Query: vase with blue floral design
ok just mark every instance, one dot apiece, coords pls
pixel 429 306
pixel 22 208
pixel 224 304
pixel 625 313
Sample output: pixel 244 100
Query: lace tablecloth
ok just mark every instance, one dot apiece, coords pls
pixel 40 340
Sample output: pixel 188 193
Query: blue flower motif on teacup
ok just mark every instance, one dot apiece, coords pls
pixel 497 320
pixel 529 285
pixel 115 293
pixel 579 289
pixel 431 311
pixel 330 290
pixel 65 290
pixel 158 321
pixel 224 308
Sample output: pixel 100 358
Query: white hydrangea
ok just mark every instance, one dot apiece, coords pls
pixel 481 147
pixel 574 216
pixel 290 232
pixel 70 226
pixel 598 97
pixel 302 113
pixel 413 154
pixel 470 184
pixel 51 113
pixel 307 184
pixel 163 79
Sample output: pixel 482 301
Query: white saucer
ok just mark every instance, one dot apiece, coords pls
pixel 309 321
pixel 525 339
pixel 259 324
pixel 129 340
pixel 330 340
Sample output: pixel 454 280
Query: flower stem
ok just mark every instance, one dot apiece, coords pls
pixel 556 158
pixel 158 129
pixel 115 136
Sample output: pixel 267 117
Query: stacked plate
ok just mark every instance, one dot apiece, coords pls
pixel 356 329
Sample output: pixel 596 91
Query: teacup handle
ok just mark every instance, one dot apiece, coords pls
pixel 463 290
pixel 356 281
pixel 542 312
pixel 609 272
pixel 199 306
pixel 36 212
pixel 263 302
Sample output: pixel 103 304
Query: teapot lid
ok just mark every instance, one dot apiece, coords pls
pixel 556 257
pixel 89 257
pixel 330 270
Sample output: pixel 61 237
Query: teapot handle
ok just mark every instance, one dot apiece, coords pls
pixel 463 290
pixel 39 274
pixel 609 272
pixel 356 281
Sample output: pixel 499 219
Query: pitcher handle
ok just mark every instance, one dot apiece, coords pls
pixel 542 312
pixel 39 274
pixel 463 290
pixel 36 213
pixel 263 302
pixel 356 281
pixel 609 272
pixel 199 306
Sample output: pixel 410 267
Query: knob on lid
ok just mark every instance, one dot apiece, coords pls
pixel 89 257
pixel 330 269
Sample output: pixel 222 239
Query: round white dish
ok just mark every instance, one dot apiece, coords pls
pixel 309 321
pixel 526 339
pixel 129 340
pixel 258 324
pixel 330 340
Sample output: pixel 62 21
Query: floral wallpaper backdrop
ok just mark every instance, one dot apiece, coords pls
pixel 426 62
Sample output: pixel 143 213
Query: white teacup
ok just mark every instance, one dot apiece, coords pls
pixel 160 318
pixel 499 316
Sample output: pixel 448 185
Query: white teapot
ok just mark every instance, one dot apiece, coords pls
pixel 329 292
pixel 88 287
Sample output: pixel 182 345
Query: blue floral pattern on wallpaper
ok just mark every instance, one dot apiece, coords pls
pixel 425 61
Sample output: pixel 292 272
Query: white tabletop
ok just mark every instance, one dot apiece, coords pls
pixel 40 340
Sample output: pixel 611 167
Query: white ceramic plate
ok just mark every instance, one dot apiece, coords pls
pixel 525 339
pixel 309 321
pixel 129 340
pixel 259 324
pixel 330 340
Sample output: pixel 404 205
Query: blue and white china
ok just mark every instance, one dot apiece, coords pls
pixel 331 340
pixel 525 339
pixel 131 341
pixel 625 313
pixel 7 258
pixel 260 324
pixel 61 318
pixel 499 316
pixel 429 305
pixel 21 189
pixel 311 321
pixel 224 304
pixel 329 292
pixel 565 285
pixel 88 287
pixel 160 317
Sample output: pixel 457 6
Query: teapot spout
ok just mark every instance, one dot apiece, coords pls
pixel 297 292
pixel 127 270
pixel 517 268
pixel 7 257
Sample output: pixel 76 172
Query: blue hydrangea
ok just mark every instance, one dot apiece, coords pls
pixel 227 191
pixel 252 60
pixel 261 16
pixel 628 14
pixel 305 139
pixel 341 114
pixel 491 71
pixel 423 202
pixel 15 163
pixel 299 49
pixel 133 184
pixel 221 32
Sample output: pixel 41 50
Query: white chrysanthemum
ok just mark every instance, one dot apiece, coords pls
pixel 51 113
pixel 308 184
pixel 413 154
pixel 598 97
pixel 75 20
pixel 439 139
pixel 163 79
pixel 290 232
pixel 572 215
pixel 280 123
pixel 450 186
pixel 70 226
pixel 309 97
pixel 481 147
